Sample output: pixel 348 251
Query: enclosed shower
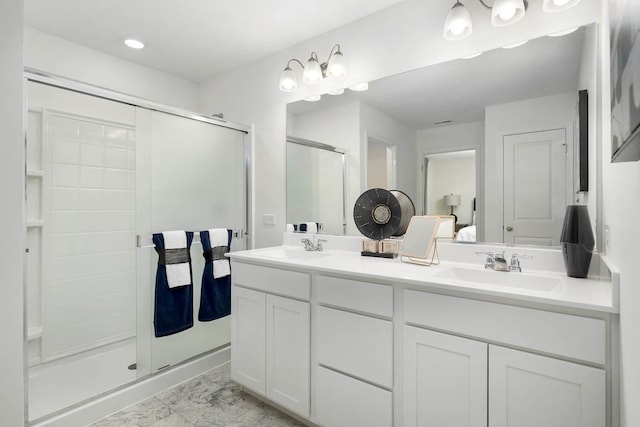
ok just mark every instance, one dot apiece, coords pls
pixel 103 174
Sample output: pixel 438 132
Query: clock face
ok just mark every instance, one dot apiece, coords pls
pixel 377 213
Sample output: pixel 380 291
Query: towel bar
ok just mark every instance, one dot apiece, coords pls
pixel 147 241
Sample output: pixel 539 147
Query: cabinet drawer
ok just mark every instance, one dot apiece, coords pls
pixel 358 345
pixel 355 295
pixel 342 401
pixel 275 280
pixel 562 334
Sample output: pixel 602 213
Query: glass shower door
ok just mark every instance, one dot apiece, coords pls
pixel 195 177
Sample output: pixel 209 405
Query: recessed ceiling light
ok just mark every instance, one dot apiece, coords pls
pixel 134 44
pixel 339 91
pixel 359 87
pixel 563 32
pixel 475 55
pixel 511 46
pixel 313 98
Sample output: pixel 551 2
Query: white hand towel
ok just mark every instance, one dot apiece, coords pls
pixel 312 227
pixel 220 237
pixel 290 228
pixel 177 274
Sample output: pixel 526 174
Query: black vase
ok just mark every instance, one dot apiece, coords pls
pixel 577 241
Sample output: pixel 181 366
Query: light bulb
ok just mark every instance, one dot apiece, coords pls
pixel 313 98
pixel 337 66
pixel 560 3
pixel 458 24
pixel 312 72
pixel 507 13
pixel 288 80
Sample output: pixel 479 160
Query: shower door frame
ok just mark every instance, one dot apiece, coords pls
pixel 38 76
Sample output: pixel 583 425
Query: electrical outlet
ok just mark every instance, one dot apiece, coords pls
pixel 269 219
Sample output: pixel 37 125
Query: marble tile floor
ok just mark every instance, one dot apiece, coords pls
pixel 208 400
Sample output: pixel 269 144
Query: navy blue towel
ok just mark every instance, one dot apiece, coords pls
pixel 215 296
pixel 173 308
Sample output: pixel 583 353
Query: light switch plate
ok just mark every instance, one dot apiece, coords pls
pixel 269 219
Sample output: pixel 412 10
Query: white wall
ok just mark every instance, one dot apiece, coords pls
pixel 377 125
pixel 549 112
pixel 621 186
pixel 12 224
pixel 54 55
pixel 400 38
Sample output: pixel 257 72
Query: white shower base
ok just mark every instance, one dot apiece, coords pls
pixel 64 382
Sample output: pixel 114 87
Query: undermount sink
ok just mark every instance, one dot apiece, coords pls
pixel 501 278
pixel 293 253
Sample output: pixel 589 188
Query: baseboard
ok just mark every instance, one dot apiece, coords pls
pixel 88 412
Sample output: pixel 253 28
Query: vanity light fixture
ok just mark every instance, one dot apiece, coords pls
pixel 133 43
pixel 314 71
pixel 458 24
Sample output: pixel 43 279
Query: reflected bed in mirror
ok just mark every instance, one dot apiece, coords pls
pixel 515 108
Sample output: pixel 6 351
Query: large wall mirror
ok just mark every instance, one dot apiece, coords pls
pixel 509 115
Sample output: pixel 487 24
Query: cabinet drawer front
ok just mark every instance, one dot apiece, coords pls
pixel 358 345
pixel 283 282
pixel 562 334
pixel 342 401
pixel 355 295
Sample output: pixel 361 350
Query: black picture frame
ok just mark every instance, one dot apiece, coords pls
pixel 583 141
pixel 625 74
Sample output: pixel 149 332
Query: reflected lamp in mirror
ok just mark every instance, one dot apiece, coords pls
pixel 314 71
pixel 451 200
pixel 459 25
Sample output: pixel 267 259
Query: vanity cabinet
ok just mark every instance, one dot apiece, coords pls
pixel 528 390
pixel 354 333
pixel 270 334
pixel 445 380
pixel 446 377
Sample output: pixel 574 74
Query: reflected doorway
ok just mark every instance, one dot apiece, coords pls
pixel 451 173
pixel 381 165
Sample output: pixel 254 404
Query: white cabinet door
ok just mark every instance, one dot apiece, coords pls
pixel 288 336
pixel 527 390
pixel 248 338
pixel 445 380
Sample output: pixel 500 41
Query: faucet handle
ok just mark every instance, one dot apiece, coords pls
pixel 488 254
pixel 514 265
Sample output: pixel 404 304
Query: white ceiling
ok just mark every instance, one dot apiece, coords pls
pixel 194 39
pixel 459 90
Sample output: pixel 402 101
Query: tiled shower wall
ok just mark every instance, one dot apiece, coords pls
pixel 89 257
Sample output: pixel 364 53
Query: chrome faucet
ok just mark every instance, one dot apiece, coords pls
pixel 489 262
pixel 498 262
pixel 311 246
pixel 514 265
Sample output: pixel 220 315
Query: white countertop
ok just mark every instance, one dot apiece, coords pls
pixel 585 294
